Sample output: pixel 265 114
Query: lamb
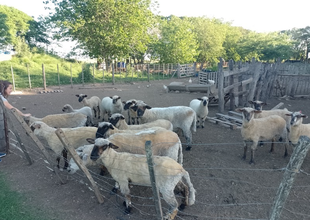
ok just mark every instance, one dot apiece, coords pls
pixel 261 129
pixel 118 120
pixel 200 106
pixel 165 143
pixel 69 120
pixel 76 137
pixel 181 117
pixel 132 115
pixel 297 127
pixel 168 173
pixel 94 103
pixel 111 105
pixel 86 110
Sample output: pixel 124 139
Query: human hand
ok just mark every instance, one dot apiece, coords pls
pixel 26 115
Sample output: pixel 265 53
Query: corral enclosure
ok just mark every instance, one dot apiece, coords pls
pixel 227 187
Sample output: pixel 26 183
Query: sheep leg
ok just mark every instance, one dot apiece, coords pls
pixel 115 188
pixel 98 110
pixel 58 161
pixel 197 123
pixel 253 148
pixel 272 145
pixel 183 189
pixel 244 150
pixel 203 122
pixel 126 192
pixel 188 137
pixel 169 197
pixel 95 112
pixel 65 156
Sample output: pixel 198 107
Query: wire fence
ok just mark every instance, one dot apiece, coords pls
pixel 234 192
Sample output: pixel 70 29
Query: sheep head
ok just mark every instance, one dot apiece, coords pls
pixel 100 145
pixel 103 129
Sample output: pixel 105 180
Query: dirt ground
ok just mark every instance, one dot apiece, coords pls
pixel 227 187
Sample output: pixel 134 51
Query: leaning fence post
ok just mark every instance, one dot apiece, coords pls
pixel 58 75
pixel 13 80
pixel 29 76
pixel 149 157
pixel 221 86
pixel 78 161
pixel 293 166
pixel 43 75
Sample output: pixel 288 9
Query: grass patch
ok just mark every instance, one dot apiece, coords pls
pixel 13 205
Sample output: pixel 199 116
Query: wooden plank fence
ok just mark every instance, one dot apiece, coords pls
pixel 242 82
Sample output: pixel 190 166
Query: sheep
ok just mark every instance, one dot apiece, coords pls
pixel 69 120
pixel 165 142
pixel 200 106
pixel 86 110
pixel 111 105
pixel 181 117
pixel 132 115
pixel 94 103
pixel 76 137
pixel 128 168
pixel 260 129
pixel 297 127
pixel 118 120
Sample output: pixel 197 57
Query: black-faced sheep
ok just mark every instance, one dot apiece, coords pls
pixel 132 115
pixel 200 106
pixel 297 127
pixel 76 137
pixel 94 103
pixel 165 142
pixel 118 120
pixel 128 168
pixel 261 129
pixel 181 117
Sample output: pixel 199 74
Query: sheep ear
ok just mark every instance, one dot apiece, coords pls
pixel 122 117
pixel 111 97
pixel 304 116
pixel 90 140
pixel 200 99
pixel 239 110
pixel 257 111
pixel 77 95
pixel 113 146
pixel 135 108
pixel 111 126
pixel 290 114
pixel 264 103
pixel 251 102
pixel 148 107
pixel 124 102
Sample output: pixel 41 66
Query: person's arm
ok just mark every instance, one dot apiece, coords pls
pixel 9 106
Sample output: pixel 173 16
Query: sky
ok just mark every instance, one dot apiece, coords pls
pixel 260 16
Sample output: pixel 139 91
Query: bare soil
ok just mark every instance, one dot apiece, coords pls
pixel 227 186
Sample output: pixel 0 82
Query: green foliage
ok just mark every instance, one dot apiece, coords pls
pixel 13 23
pixel 178 42
pixel 107 29
pixel 13 205
pixel 87 73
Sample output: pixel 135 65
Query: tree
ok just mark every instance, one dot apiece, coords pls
pixel 105 28
pixel 210 34
pixel 301 37
pixel 13 25
pixel 177 41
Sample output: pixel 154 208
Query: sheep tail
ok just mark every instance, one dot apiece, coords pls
pixel 193 127
pixel 192 191
pixel 180 155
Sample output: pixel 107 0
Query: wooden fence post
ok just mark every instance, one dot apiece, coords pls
pixel 231 82
pixel 148 72
pixel 78 161
pixel 58 75
pixel 293 166
pixel 4 140
pixel 29 80
pixel 113 79
pixel 149 157
pixel 13 80
pixel 43 76
pixel 179 71
pixel 221 86
pixel 71 75
pixel 255 67
pixel 93 74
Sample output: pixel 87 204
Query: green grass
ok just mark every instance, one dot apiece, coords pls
pixel 33 65
pixel 13 205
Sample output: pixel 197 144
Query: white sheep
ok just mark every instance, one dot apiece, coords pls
pixel 76 137
pixel 200 106
pixel 128 168
pixel 261 129
pixel 165 142
pixel 86 110
pixel 111 105
pixel 118 120
pixel 297 127
pixel 181 117
pixel 69 120
pixel 94 103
